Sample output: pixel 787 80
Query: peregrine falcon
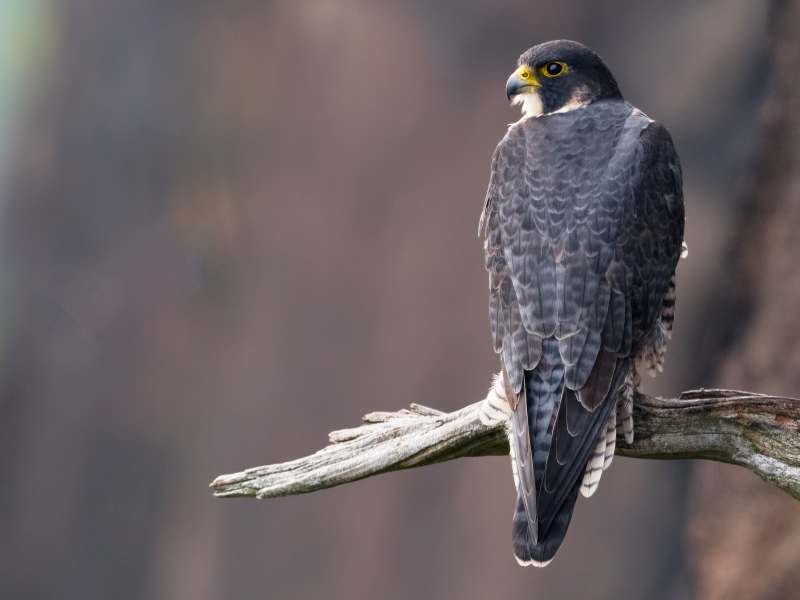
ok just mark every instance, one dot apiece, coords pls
pixel 584 223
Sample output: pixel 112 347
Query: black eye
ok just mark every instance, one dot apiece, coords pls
pixel 552 69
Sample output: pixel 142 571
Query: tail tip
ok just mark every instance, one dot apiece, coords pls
pixel 532 562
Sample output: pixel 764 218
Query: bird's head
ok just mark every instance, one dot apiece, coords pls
pixel 560 76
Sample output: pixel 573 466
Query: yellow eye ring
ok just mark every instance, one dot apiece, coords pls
pixel 554 69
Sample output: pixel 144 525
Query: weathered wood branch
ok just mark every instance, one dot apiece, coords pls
pixel 751 430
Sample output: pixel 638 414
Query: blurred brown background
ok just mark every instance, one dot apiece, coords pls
pixel 229 227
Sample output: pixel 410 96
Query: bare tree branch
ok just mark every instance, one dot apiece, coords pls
pixel 751 430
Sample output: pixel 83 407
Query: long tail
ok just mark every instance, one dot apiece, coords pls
pixel 564 438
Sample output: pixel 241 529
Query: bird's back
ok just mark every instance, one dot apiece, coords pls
pixel 564 195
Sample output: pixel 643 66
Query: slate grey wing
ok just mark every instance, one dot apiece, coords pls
pixel 650 246
pixel 581 232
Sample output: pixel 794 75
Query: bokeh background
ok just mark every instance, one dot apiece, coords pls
pixel 228 227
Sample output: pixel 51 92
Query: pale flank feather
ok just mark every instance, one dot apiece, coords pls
pixel 601 458
pixel 594 468
pixel 611 443
pixel 513 455
pixel 625 405
pixel 495 408
pixel 667 314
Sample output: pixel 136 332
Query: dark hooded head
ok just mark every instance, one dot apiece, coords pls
pixel 559 76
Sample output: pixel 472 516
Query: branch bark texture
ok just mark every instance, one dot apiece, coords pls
pixel 754 431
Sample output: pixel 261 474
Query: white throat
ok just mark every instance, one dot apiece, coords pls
pixel 532 105
pixel 530 102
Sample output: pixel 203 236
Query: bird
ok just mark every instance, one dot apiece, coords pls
pixel 583 225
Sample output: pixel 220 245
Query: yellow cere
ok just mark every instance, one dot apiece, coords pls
pixel 526 73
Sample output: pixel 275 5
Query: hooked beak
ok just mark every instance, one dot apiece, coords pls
pixel 520 82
